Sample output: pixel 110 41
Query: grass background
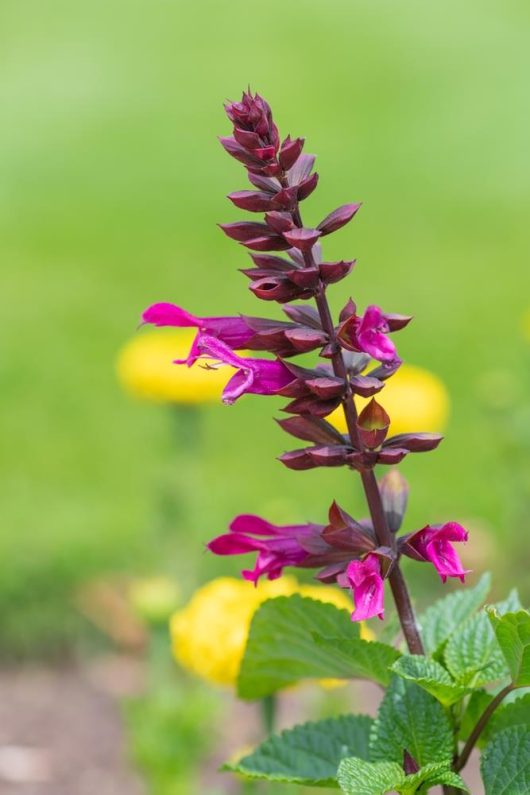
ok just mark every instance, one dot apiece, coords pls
pixel 112 185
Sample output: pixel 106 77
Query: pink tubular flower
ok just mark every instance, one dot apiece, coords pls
pixel 276 546
pixel 256 376
pixel 231 330
pixel 365 579
pixel 435 545
pixel 368 333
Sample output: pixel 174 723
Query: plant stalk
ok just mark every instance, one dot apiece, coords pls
pixel 373 497
pixel 461 760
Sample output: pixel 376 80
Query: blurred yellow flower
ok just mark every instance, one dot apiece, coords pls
pixel 146 370
pixel 154 598
pixel 210 633
pixel 415 399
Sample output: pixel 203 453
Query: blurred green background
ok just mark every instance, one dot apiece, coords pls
pixel 112 184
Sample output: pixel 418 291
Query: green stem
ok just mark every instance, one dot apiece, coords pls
pixel 268 713
pixel 461 761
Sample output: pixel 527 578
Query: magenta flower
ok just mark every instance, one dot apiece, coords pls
pixel 234 331
pixel 435 545
pixel 277 546
pixel 255 376
pixel 365 579
pixel 368 334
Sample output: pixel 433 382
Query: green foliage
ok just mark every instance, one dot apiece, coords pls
pixel 512 631
pixel 357 777
pixel 431 676
pixel 505 764
pixel 472 654
pixel 309 754
pixel 293 638
pixel 517 713
pixel 411 719
pixel 477 703
pixel 446 615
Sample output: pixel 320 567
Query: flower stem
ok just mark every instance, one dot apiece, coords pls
pixel 268 713
pixel 461 760
pixel 371 489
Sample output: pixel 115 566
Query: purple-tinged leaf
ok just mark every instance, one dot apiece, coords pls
pixel 391 455
pixel 310 404
pixel 397 322
pixel 326 388
pixel 301 169
pixel 246 230
pixel 384 371
pixel 415 442
pixel 247 138
pixel 267 184
pixel 305 339
pixel 305 315
pixel 270 262
pixel 338 218
pixel 304 277
pixel 303 239
pixel 238 152
pixel 307 187
pixel 253 201
pixel 266 243
pixel 279 221
pixel 348 310
pixel 312 429
pixel 290 152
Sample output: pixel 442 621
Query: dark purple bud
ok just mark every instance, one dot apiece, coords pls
pixel 270 262
pixel 372 424
pixel 265 153
pixel 243 231
pixel 385 370
pixel 365 386
pixel 391 455
pixel 307 187
pixel 253 201
pixel 303 239
pixel 274 288
pixel 238 152
pixel 267 184
pixel 247 138
pixel 304 277
pixel 349 310
pixel 338 218
pixel 397 322
pixel 311 429
pixel 347 534
pixel 410 765
pixel 285 197
pixel 332 272
pixel 266 243
pixel 305 339
pixel 394 492
pixel 297 459
pixel 305 315
pixel 290 152
pixel 326 388
pixel 415 442
pixel 279 222
pixel 332 456
pixel 311 404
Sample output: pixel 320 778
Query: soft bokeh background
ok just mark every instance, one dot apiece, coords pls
pixel 112 184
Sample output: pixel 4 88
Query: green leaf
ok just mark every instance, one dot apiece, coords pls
pixel 365 659
pixel 358 777
pixel 473 654
pixel 431 676
pixel 309 754
pixel 505 764
pixel 281 647
pixel 515 714
pixel 445 616
pixel 478 702
pixel 411 719
pixel 512 631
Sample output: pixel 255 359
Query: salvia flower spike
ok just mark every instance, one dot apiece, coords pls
pixel 287 265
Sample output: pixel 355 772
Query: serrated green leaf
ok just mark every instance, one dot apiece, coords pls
pixel 445 616
pixel 512 631
pixel 309 754
pixel 431 676
pixel 365 659
pixel 411 719
pixel 432 776
pixel 281 649
pixel 473 654
pixel 505 764
pixel 478 702
pixel 515 714
pixel 358 777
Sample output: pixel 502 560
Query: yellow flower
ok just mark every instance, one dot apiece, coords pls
pixel 415 399
pixel 146 370
pixel 210 633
